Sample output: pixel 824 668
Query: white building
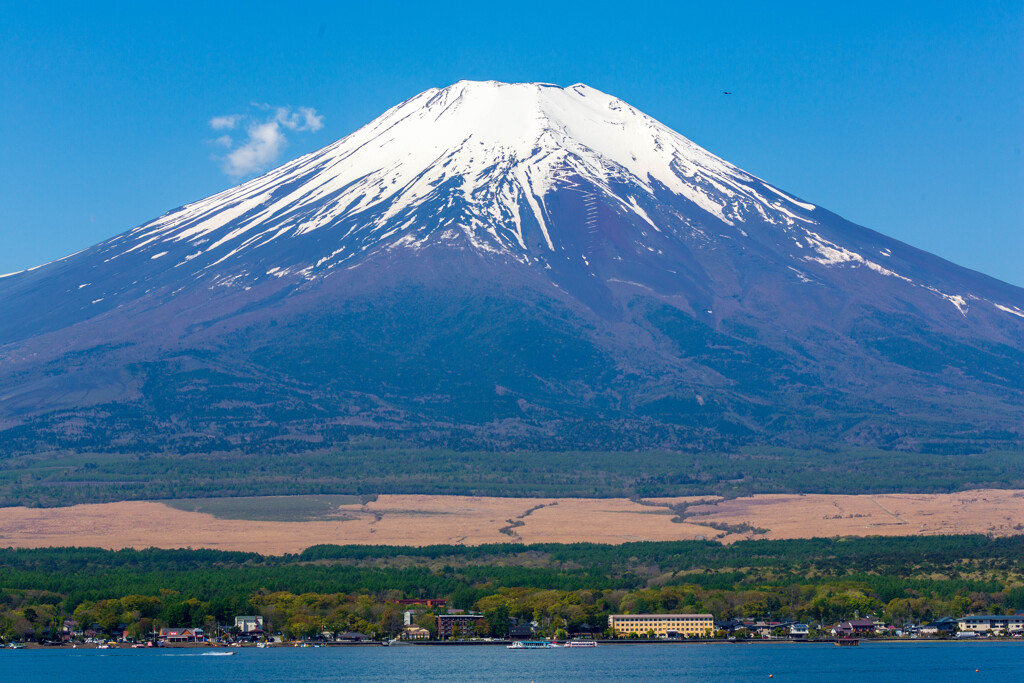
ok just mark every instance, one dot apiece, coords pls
pixel 249 624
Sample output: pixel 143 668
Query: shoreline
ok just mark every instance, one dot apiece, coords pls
pixel 493 643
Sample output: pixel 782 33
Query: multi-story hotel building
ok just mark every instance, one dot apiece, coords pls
pixel 451 625
pixel 999 623
pixel 663 625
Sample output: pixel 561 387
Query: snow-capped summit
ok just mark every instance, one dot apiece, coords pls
pixel 473 162
pixel 571 180
pixel 524 256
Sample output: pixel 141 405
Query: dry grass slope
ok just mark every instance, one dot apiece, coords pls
pixel 426 520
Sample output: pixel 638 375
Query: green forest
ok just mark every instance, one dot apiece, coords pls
pixel 64 478
pixel 355 588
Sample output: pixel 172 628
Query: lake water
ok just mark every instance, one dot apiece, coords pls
pixel 784 662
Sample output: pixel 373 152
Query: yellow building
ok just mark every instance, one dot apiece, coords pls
pixel 414 632
pixel 663 625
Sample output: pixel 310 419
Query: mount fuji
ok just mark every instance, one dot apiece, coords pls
pixel 508 266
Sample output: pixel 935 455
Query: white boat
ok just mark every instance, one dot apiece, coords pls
pixel 581 643
pixel 531 645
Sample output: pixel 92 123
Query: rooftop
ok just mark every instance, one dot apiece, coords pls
pixel 662 616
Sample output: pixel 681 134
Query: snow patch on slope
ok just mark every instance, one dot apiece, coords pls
pixel 802 205
pixel 955 299
pixel 1011 310
pixel 830 254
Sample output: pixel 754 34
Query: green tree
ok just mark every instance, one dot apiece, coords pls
pixel 497 621
pixel 391 621
pixel 427 620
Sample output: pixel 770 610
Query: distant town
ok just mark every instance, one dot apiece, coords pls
pixel 455 626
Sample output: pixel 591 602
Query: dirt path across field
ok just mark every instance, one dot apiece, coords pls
pixel 426 520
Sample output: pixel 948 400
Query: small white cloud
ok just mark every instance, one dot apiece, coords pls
pixel 224 122
pixel 265 137
pixel 302 119
pixel 261 149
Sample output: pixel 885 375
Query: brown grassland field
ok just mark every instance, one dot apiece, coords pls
pixel 288 524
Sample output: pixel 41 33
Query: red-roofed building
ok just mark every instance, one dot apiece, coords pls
pixel 180 635
pixel 429 602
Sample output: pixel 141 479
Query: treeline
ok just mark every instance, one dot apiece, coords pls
pixel 559 586
pixel 64 478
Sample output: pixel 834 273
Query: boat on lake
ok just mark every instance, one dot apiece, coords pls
pixel 581 643
pixel 531 645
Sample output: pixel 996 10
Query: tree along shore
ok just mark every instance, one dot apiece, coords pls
pixel 560 587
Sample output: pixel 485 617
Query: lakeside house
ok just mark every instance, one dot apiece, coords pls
pixel 663 625
pixel 520 630
pixel 766 629
pixel 945 625
pixel 181 635
pixel 586 631
pixel 249 624
pixel 414 632
pixel 351 637
pixel 799 630
pixel 730 625
pixel 855 627
pixel 70 629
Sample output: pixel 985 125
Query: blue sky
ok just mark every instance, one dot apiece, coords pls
pixel 903 117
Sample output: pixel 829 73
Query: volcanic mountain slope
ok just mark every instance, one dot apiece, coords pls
pixel 507 266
